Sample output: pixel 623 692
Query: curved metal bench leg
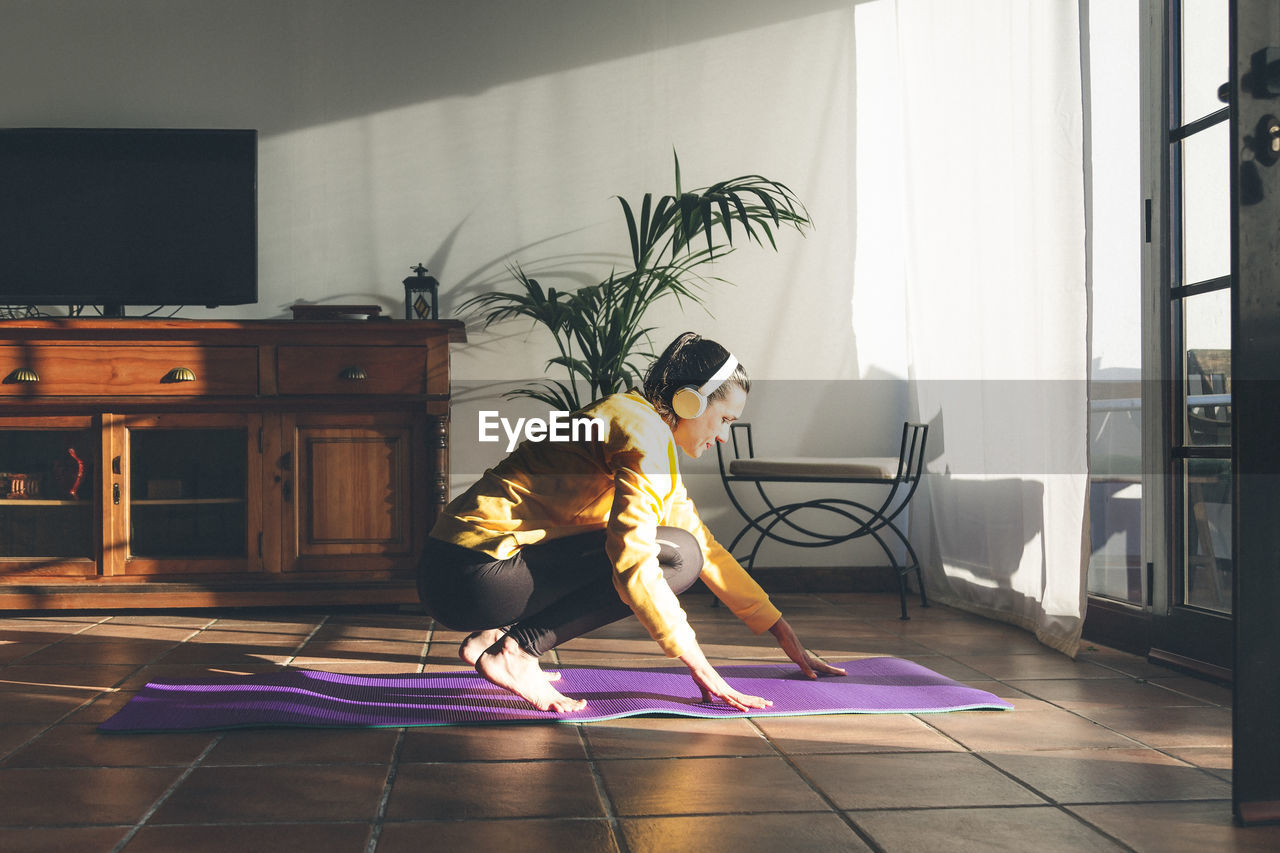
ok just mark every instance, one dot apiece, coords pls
pixel 902 596
pixel 750 561
pixel 900 571
pixel 915 561
pixel 912 565
pixel 875 521
pixel 901 490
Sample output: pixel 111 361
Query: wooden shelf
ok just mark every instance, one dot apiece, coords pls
pixel 342 472
pixel 185 501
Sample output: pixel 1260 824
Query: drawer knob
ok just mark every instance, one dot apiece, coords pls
pixel 180 374
pixel 355 373
pixel 22 375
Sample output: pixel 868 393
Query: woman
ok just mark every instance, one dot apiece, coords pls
pixel 561 538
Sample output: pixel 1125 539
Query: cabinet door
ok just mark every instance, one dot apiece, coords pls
pixel 49 518
pixel 352 492
pixel 185 494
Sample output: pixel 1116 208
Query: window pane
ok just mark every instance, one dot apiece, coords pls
pixel 46 494
pixel 1207 334
pixel 1206 205
pixel 1115 418
pixel 187 494
pixel 1209 565
pixel 1205 64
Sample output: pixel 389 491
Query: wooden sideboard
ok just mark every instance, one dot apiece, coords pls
pixel 180 463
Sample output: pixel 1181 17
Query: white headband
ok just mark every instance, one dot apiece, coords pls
pixel 725 371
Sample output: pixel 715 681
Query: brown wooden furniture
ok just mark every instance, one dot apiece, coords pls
pixel 162 463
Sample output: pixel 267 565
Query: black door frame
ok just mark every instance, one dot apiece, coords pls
pixel 1255 229
pixel 1181 635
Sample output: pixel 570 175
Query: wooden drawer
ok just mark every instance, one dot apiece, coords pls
pixel 351 370
pixel 78 370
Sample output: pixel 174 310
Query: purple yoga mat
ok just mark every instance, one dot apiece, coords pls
pixel 306 698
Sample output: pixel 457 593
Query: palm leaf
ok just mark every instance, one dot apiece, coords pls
pixel 554 394
pixel 633 231
pixel 599 329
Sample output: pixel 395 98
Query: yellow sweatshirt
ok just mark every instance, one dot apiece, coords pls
pixel 628 484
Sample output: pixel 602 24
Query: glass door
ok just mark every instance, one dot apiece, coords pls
pixel 1117 580
pixel 48 518
pixel 1192 618
pixel 189 492
pixel 1161 566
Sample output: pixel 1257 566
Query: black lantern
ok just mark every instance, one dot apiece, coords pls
pixel 421 301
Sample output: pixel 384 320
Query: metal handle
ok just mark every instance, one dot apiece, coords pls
pixel 23 376
pixel 180 374
pixel 1266 140
pixel 355 373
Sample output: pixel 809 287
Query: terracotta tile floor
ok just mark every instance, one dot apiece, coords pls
pixel 1102 753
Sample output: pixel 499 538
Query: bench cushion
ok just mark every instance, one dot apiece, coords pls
pixel 813 467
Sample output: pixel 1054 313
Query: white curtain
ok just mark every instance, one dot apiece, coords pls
pixel 981 140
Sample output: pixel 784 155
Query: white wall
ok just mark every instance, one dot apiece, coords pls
pixel 468 135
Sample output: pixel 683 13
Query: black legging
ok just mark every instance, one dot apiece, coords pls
pixel 549 593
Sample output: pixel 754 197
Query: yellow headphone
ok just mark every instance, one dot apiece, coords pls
pixel 691 401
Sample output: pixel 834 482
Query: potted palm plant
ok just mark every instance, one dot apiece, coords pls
pixel 599 329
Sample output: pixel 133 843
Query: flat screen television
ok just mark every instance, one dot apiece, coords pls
pixel 125 217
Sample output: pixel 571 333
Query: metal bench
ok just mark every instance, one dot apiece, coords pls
pixel 778 522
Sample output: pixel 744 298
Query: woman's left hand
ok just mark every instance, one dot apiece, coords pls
pixel 795 650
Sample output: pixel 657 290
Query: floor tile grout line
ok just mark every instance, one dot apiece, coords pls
pixel 116 687
pixel 105 691
pixel 657 816
pixel 1154 682
pixel 1051 801
pixel 62 638
pixel 1026 806
pixel 1138 745
pixel 1005 682
pixel 346 821
pixel 649 758
pixel 4 757
pixel 388 783
pixel 1120 674
pixel 98 696
pixel 600 763
pixel 1048 801
pixel 1075 713
pixel 857 830
pixel 146 816
pixel 230 766
pixel 302 644
pixel 602 791
pixel 922 718
pixel 433 629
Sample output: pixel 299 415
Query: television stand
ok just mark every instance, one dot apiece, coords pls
pixel 183 463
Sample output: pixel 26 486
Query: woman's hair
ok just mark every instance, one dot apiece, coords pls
pixel 689 360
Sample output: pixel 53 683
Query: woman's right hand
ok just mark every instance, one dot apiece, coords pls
pixel 714 687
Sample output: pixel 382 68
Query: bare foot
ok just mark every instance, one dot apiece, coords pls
pixel 478 641
pixel 512 668
pixel 475 644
